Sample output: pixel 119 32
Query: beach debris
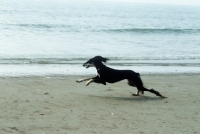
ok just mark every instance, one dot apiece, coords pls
pixel 109 89
pixel 112 113
pixel 14 128
pixel 46 93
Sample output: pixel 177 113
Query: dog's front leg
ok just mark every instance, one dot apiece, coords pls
pixel 81 80
pixel 96 80
pixel 90 81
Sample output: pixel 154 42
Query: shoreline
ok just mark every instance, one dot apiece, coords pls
pixel 90 75
pixel 76 68
pixel 57 104
pixel 52 69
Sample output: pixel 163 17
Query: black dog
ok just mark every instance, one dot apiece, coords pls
pixel 106 74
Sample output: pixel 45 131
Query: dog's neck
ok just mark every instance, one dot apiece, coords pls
pixel 99 65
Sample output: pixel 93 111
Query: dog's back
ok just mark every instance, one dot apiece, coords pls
pixel 113 75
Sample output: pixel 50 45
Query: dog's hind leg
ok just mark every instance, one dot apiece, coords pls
pixel 142 89
pixel 139 84
pixel 131 83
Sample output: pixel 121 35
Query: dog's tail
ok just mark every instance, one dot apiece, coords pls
pixel 156 93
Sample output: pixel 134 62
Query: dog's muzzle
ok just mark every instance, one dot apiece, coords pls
pixel 87 65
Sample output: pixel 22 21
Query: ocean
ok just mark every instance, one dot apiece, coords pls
pixel 56 37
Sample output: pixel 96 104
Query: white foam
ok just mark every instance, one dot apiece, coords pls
pixel 43 70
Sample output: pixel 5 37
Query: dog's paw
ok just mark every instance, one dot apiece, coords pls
pixel 163 97
pixel 86 84
pixel 134 94
pixel 79 81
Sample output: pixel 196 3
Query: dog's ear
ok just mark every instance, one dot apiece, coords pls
pixel 105 60
pixel 100 58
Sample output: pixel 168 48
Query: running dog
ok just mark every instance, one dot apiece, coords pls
pixel 106 74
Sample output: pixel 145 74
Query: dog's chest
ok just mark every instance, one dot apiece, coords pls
pixel 102 73
pixel 98 72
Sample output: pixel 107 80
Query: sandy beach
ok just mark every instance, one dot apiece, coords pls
pixel 59 105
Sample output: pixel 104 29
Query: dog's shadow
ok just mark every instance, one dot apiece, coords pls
pixel 131 98
pixel 138 98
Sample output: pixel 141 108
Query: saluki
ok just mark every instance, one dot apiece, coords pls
pixel 106 74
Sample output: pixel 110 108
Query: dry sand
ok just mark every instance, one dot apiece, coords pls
pixel 59 105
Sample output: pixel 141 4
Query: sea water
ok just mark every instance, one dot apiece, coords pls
pixel 56 37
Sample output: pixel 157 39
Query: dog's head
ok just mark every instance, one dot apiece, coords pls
pixel 91 62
